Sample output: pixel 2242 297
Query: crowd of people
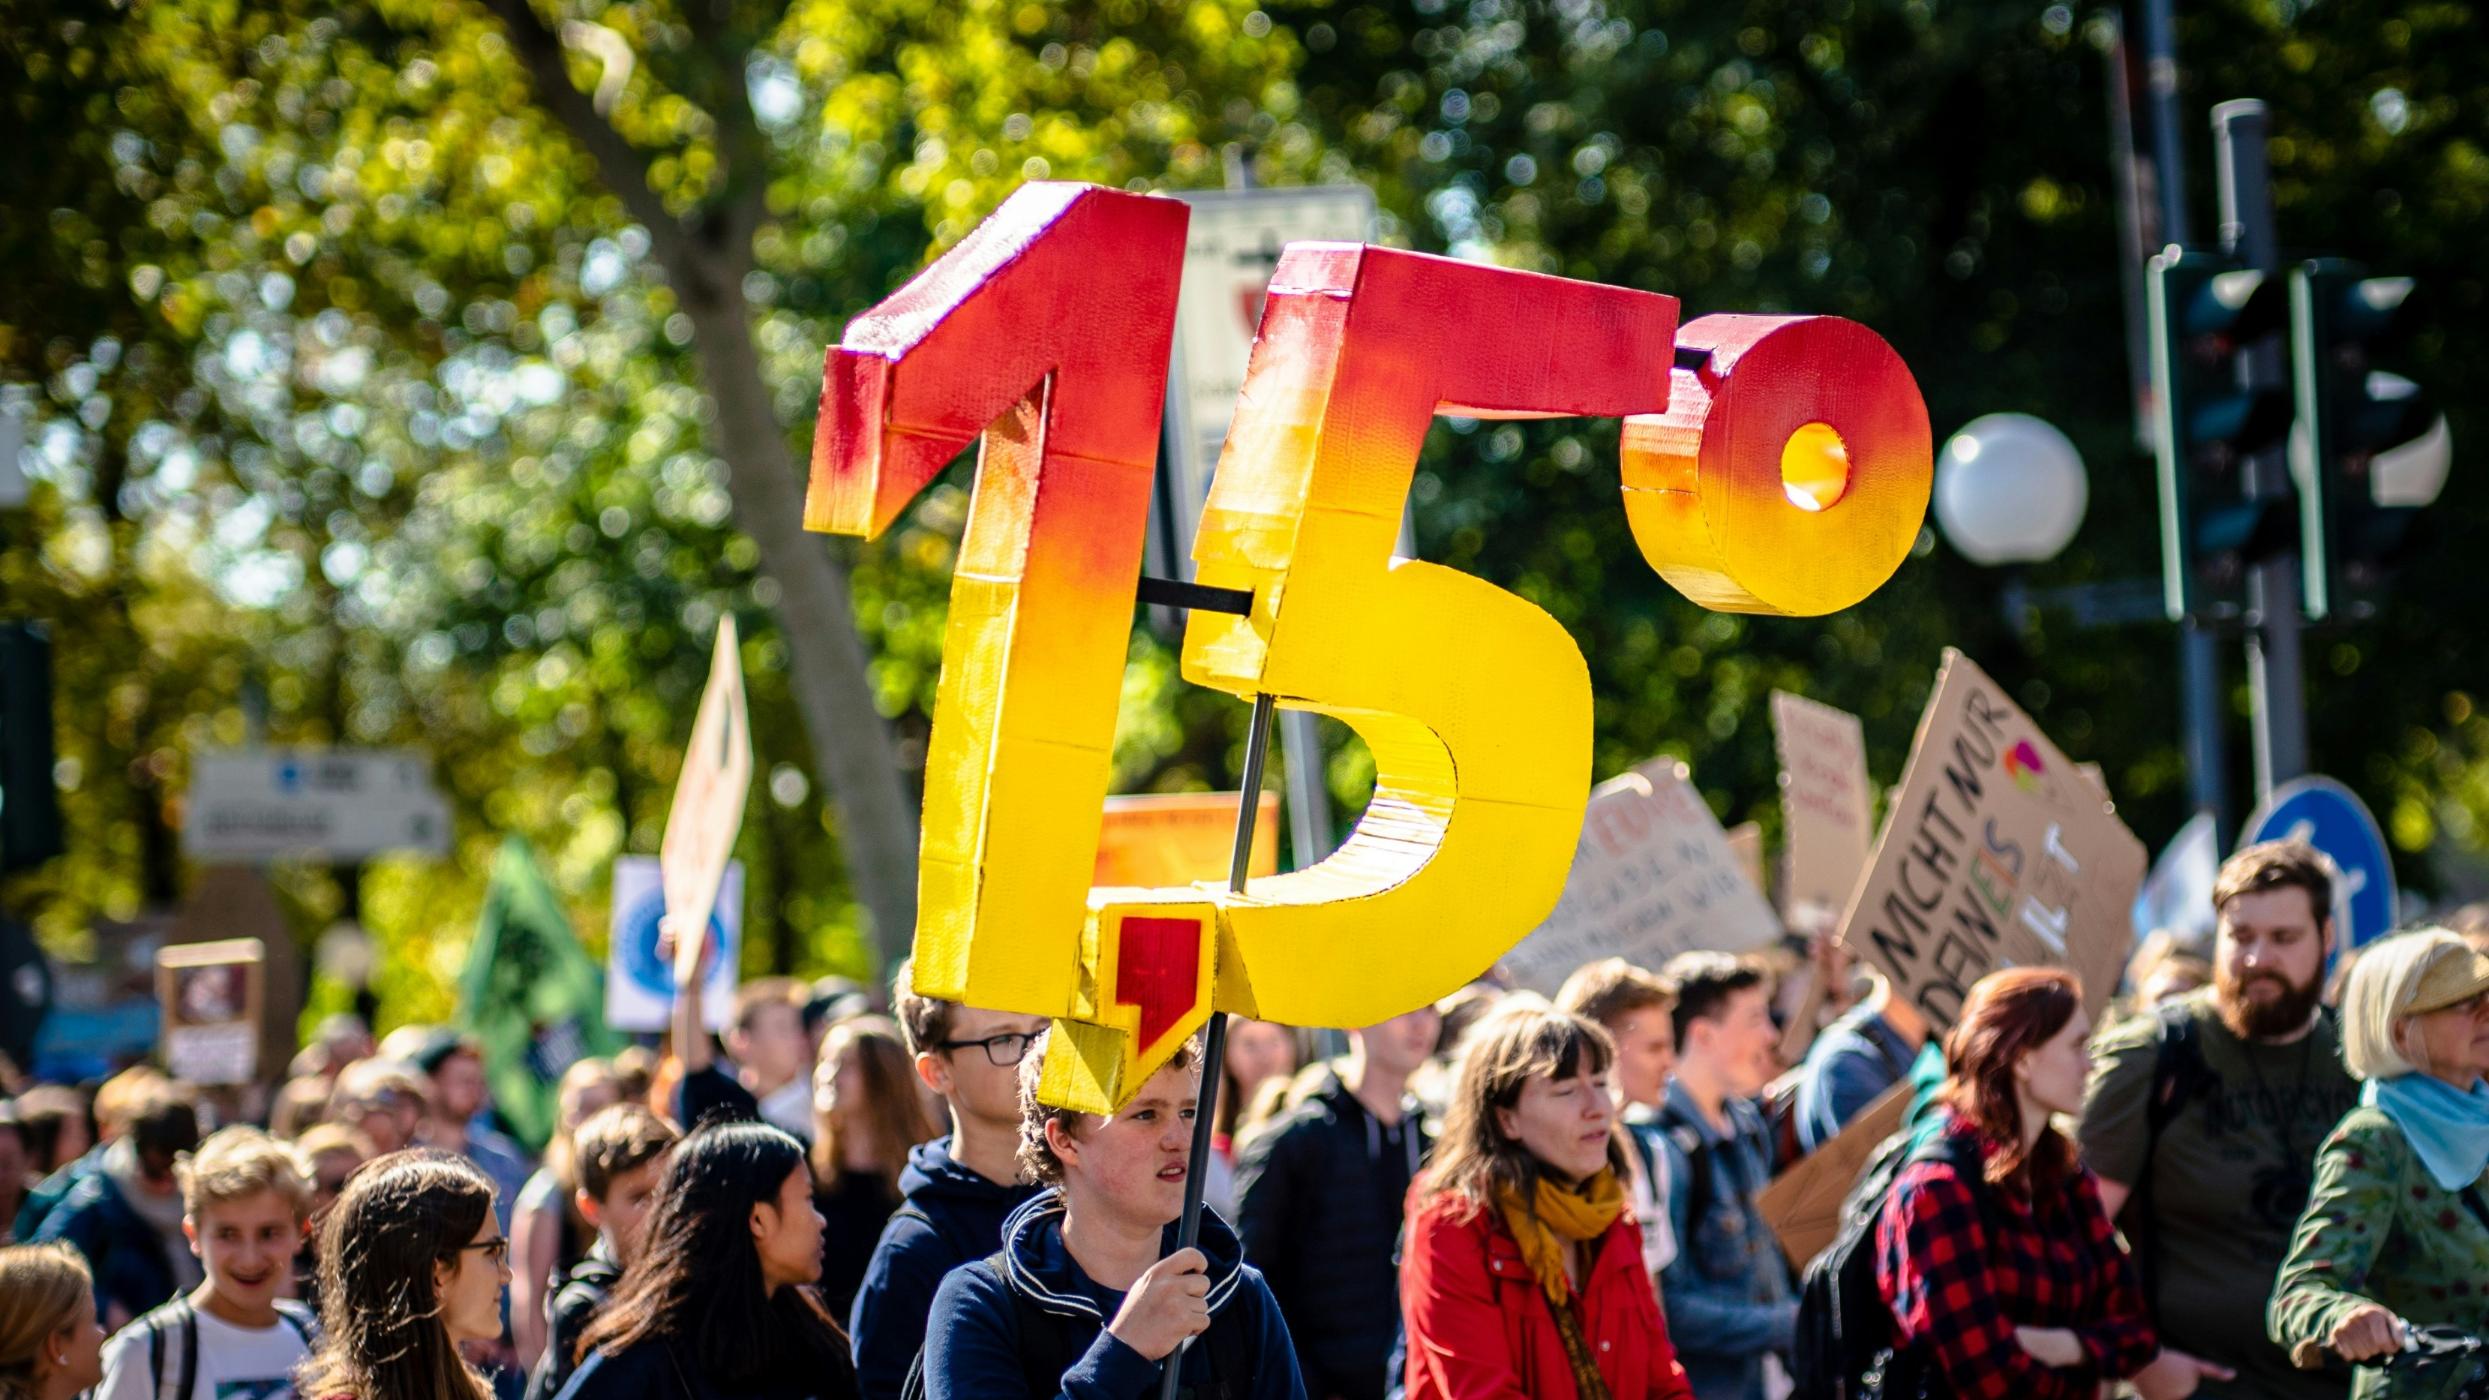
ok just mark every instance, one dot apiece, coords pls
pixel 2235 1184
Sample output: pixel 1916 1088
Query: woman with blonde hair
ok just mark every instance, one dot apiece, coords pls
pixel 866 1114
pixel 50 1345
pixel 2396 1231
pixel 1523 1269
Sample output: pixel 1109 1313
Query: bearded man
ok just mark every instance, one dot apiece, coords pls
pixel 2203 1119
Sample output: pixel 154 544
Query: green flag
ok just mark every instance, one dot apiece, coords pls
pixel 530 994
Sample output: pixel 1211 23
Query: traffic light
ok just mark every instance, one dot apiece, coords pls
pixel 30 831
pixel 2206 311
pixel 2368 450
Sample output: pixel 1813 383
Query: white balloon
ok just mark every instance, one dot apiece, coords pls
pixel 2010 489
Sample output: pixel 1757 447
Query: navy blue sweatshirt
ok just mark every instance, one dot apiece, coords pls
pixel 973 1343
pixel 950 1216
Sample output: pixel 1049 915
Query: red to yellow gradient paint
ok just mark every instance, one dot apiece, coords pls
pixel 1772 464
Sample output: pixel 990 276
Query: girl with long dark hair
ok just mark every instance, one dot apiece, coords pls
pixel 412 1264
pixel 1994 1254
pixel 1523 1274
pixel 721 1303
pixel 867 1112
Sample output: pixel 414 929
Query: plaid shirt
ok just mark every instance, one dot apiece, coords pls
pixel 1960 1283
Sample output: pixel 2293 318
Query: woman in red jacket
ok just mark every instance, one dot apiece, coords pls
pixel 1523 1272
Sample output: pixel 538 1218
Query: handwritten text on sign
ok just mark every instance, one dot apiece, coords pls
pixel 1825 800
pixel 1653 877
pixel 1998 853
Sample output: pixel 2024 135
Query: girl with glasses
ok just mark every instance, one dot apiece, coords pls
pixel 412 1264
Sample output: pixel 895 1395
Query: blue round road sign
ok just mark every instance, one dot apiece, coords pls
pixel 2328 816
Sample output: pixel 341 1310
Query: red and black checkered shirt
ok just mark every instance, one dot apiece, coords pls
pixel 1960 1280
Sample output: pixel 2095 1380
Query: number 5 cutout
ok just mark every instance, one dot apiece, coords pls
pixel 1474 702
pixel 1784 470
pixel 1045 331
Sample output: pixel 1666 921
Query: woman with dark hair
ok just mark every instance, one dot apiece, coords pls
pixel 412 1264
pixel 2001 1269
pixel 1523 1271
pixel 721 1304
pixel 867 1111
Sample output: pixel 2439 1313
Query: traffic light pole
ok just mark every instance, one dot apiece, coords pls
pixel 2273 665
pixel 2199 657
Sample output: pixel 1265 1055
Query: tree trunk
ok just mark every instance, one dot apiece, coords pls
pixel 705 259
pixel 856 760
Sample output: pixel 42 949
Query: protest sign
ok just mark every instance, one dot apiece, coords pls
pixel 1998 853
pixel 210 994
pixel 1746 840
pixel 1803 1205
pixel 1826 804
pixel 708 797
pixel 639 982
pixel 1653 876
pixel 1175 838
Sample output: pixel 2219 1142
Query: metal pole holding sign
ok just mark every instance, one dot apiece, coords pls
pixel 1214 1035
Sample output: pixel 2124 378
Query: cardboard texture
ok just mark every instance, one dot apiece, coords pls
pixel 1652 876
pixel 1177 838
pixel 1997 853
pixel 1746 840
pixel 1803 1204
pixel 700 828
pixel 211 995
pixel 1474 703
pixel 1715 507
pixel 1826 804
pixel 1046 333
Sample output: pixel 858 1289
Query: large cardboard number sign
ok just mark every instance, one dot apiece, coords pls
pixel 1047 331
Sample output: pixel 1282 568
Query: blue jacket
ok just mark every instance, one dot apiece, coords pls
pixel 125 1252
pixel 1727 1293
pixel 950 1216
pixel 973 1343
pixel 1848 1067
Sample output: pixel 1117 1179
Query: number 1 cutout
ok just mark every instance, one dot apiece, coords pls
pixel 1046 332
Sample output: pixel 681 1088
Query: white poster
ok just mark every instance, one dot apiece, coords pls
pixel 639 983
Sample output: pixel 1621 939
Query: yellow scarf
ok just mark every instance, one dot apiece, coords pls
pixel 1560 1216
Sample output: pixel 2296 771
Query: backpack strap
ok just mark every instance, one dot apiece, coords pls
pixel 2178 1072
pixel 172 1329
pixel 302 1319
pixel 1699 1191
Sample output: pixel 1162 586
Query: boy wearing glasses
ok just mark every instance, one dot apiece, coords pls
pixel 957 1188
pixel 245 1201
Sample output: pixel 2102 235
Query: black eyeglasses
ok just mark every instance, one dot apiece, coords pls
pixel 1001 1051
pixel 496 1250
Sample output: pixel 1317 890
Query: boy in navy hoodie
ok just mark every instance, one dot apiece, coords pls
pixel 957 1188
pixel 1089 1297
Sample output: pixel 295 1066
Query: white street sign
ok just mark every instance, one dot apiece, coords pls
pixel 340 804
pixel 1233 244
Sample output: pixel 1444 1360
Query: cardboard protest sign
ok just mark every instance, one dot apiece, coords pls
pixel 211 995
pixel 1746 840
pixel 1826 804
pixel 1176 838
pixel 1998 853
pixel 708 798
pixel 639 980
pixel 1653 876
pixel 1803 1204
